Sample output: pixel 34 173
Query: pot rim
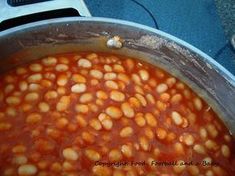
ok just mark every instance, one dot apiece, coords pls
pixel 206 58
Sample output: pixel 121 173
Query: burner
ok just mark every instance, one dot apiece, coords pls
pixel 23 2
pixel 17 12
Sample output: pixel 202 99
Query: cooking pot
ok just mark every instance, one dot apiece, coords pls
pixel 204 75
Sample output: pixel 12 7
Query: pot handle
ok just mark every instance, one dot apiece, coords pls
pixel 9 12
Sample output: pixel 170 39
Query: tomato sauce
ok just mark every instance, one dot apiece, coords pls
pixel 99 114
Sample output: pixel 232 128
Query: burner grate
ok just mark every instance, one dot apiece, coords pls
pixel 23 2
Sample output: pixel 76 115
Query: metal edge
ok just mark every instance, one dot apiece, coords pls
pixel 218 67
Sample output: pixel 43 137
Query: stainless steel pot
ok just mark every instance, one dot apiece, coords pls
pixel 204 75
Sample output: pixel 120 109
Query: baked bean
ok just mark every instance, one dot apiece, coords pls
pixel 86 97
pixel 78 88
pixel 94 123
pixel 144 143
pixel 197 103
pixel 62 80
pixel 49 61
pixel 140 120
pixel 9 88
pixel 111 84
pixel 96 74
pixel 21 70
pixel 27 169
pixel 5 126
pixel 51 95
pixel 212 130
pixel 61 123
pixel 161 133
pixel 70 154
pixel 141 99
pixel 84 63
pixel 63 103
pixel 118 68
pixel 179 149
pixel 110 76
pixel 127 151
pixel 35 78
pixel 34 87
pixel 56 167
pixel 170 81
pixel 101 94
pixel 225 151
pixel 127 110
pixel 176 99
pixel 44 107
pixel 151 120
pixel 107 124
pixel 211 145
pixel 84 113
pixel 92 155
pixel 12 100
pixel 126 132
pixel 187 139
pixel 144 75
pixel 114 112
pixel 117 96
pixel 161 88
pixel 176 117
pixel 199 149
pixel 193 170
pixel 11 111
pixel 30 97
pixel 19 149
pixel 61 67
pixel 35 67
pixel 179 168
pixel 101 171
pixel 115 155
pixel 33 118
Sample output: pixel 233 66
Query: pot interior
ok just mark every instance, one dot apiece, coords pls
pixel 206 77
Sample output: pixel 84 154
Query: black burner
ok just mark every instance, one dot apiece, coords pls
pixel 23 2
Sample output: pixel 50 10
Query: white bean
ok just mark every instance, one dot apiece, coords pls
pixel 23 86
pixel 86 97
pixel 9 88
pixel 20 159
pixel 225 151
pixel 62 80
pixel 177 118
pixel 35 78
pixel 61 67
pixel 111 84
pixel 127 110
pixel 197 103
pixel 27 169
pixel 70 154
pixel 117 96
pixel 96 74
pixel 161 88
pixel 44 107
pixel 114 112
pixel 78 88
pixel 144 75
pixel 33 96
pixel 126 132
pixel 49 61
pixel 12 100
pixel 84 63
pixel 35 67
pixel 110 76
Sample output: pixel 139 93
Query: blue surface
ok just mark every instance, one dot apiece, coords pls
pixel 196 22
